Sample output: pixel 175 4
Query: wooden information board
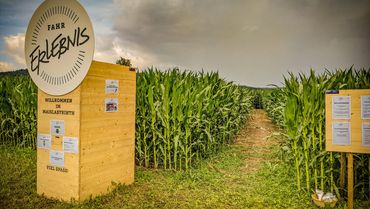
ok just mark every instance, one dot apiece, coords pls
pixel 85 109
pixel 348 121
pixel 86 138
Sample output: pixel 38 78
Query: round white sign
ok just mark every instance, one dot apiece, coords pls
pixel 59 46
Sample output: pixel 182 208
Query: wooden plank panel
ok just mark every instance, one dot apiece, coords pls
pixel 98 110
pixel 96 100
pixel 102 128
pixel 100 183
pixel 73 124
pixel 91 167
pixel 96 81
pixel 355 122
pixel 108 139
pixel 115 170
pixel 101 69
pixel 98 152
pixel 55 181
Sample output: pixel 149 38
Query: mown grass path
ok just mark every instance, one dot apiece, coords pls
pixel 255 137
pixel 247 174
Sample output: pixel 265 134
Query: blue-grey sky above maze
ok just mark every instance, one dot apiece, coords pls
pixel 251 42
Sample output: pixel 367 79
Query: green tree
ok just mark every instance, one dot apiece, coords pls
pixel 124 62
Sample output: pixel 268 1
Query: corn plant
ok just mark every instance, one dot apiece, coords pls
pixel 301 102
pixel 18 103
pixel 183 117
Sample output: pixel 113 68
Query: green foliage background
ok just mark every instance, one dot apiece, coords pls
pixel 181 116
pixel 299 108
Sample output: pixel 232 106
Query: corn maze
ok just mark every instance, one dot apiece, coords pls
pixel 183 117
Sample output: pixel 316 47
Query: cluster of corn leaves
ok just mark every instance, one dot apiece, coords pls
pixel 273 102
pixel 257 95
pixel 18 104
pixel 184 116
pixel 180 117
pixel 299 107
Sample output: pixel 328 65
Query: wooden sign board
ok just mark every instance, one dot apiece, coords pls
pixel 59 46
pixel 86 109
pixel 86 138
pixel 348 121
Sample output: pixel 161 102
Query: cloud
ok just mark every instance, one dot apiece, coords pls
pixel 14 49
pixel 110 48
pixel 4 66
pixel 252 42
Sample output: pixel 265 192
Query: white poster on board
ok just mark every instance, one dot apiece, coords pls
pixel 57 127
pixel 111 105
pixel 366 134
pixel 70 144
pixel 365 107
pixel 57 158
pixel 341 133
pixel 111 86
pixel 44 141
pixel 341 106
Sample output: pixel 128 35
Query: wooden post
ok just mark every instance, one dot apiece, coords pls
pixel 350 180
pixel 342 171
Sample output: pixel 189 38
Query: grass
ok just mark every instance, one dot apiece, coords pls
pixel 218 182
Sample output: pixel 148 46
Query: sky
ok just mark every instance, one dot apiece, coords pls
pixel 249 42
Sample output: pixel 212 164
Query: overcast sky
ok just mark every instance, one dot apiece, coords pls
pixel 251 42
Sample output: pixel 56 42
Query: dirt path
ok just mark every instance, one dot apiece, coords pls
pixel 255 136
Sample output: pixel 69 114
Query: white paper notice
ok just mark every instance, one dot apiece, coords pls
pixel 365 107
pixel 57 127
pixel 70 144
pixel 342 133
pixel 57 158
pixel 341 107
pixel 366 134
pixel 44 141
pixel 111 105
pixel 111 86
